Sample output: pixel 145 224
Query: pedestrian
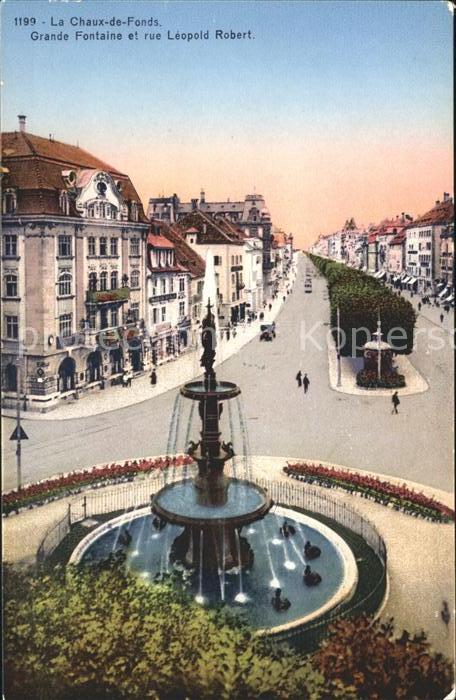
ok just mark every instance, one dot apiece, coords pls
pixel 153 377
pixel 395 401
pixel 441 318
pixel 445 613
pixel 124 380
pixel 299 378
pixel 283 298
pixel 305 383
pixel 419 306
pixel 270 307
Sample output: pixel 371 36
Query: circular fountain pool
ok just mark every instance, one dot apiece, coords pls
pixel 278 563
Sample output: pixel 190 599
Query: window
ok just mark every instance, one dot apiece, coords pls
pixel 171 284
pixel 163 313
pixel 9 202
pixel 134 246
pixel 64 202
pixel 65 325
pixel 114 279
pixel 154 287
pixel 104 318
pixel 11 285
pixel 92 319
pixel 163 285
pixel 10 246
pixel 114 317
pixel 182 308
pixel 103 281
pixel 134 279
pixel 103 246
pixel 155 315
pixel 134 214
pixel 65 284
pixel 91 246
pixel 12 327
pixel 217 260
pixel 114 246
pixel 182 284
pixel 134 309
pixel 93 281
pixel 64 246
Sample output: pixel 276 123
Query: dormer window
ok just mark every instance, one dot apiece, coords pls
pixel 64 202
pixel 9 201
pixel 134 211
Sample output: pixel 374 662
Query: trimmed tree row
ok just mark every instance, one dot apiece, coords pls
pixel 361 299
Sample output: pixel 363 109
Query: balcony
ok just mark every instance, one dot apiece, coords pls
pixel 98 297
pixel 158 298
pixel 69 341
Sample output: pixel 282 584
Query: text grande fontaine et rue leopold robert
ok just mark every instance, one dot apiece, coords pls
pixel 83 29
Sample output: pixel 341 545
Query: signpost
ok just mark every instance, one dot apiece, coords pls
pixel 19 433
pixel 379 352
pixel 338 349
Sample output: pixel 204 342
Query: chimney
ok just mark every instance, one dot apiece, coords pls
pixel 446 196
pixel 202 197
pixel 22 119
pixel 437 201
pixel 194 204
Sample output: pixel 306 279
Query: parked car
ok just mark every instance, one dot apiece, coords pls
pixel 267 331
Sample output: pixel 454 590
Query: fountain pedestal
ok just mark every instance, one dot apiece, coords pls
pixel 212 507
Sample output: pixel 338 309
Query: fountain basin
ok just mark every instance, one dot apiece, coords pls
pixel 181 503
pixel 278 563
pixel 222 391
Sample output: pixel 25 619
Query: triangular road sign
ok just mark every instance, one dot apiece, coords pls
pixel 23 435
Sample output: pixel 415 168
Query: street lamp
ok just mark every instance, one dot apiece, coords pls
pixel 338 349
pixel 379 354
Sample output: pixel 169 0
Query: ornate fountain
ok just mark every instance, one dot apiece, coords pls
pixel 212 507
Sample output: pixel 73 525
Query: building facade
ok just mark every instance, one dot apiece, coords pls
pixel 73 267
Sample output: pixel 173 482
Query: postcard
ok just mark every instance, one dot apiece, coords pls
pixel 227 349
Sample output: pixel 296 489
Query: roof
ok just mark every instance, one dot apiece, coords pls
pixel 209 230
pixel 185 255
pixel 399 238
pixel 159 241
pixel 442 213
pixel 372 237
pixel 35 167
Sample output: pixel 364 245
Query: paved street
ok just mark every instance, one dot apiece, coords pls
pixel 358 431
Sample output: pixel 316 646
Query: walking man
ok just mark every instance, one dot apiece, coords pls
pixel 299 378
pixel 395 401
pixel 305 383
pixel 441 318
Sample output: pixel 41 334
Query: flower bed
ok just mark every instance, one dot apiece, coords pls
pixel 368 379
pixel 60 486
pixel 399 497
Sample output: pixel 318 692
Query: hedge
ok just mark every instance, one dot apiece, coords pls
pixel 360 298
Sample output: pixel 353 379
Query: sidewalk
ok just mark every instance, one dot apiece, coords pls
pixel 430 313
pixel 170 375
pixel 420 553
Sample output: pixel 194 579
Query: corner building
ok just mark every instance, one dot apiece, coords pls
pixel 73 272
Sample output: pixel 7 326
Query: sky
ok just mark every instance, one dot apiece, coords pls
pixel 330 110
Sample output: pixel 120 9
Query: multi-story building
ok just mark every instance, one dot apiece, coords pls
pixel 423 245
pixel 396 256
pixel 447 256
pixel 250 215
pixel 202 232
pixel 253 277
pixel 73 254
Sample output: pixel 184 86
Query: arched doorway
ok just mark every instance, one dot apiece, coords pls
pixel 67 371
pixel 116 357
pixel 11 377
pixel 94 367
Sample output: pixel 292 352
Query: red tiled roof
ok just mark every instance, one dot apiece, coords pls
pixel 35 167
pixel 159 241
pixel 372 237
pixel 185 255
pixel 210 230
pixel 442 213
pixel 399 238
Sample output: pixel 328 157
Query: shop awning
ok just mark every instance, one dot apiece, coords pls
pixel 406 280
pixel 381 275
pixel 440 285
pixel 412 280
pixel 396 278
pixel 450 298
pixel 444 292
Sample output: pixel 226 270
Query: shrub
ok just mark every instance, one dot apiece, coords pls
pixel 366 654
pixel 104 633
pixel 369 380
